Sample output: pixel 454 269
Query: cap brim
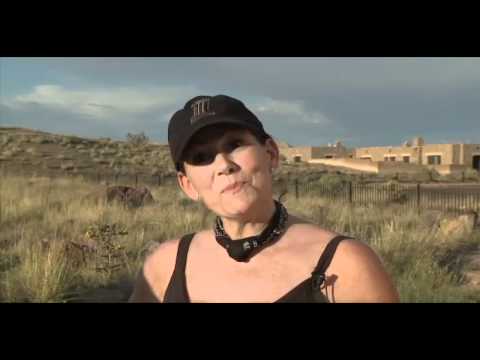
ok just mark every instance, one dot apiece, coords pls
pixel 209 122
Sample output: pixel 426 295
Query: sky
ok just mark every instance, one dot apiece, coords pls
pixel 303 101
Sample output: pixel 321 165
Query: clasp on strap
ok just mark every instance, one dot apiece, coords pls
pixel 317 280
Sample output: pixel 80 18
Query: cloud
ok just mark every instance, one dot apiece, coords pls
pixel 279 78
pixel 292 111
pixel 365 101
pixel 61 121
pixel 294 122
pixel 96 111
pixel 103 104
pixel 114 112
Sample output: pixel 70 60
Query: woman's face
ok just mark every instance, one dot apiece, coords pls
pixel 219 157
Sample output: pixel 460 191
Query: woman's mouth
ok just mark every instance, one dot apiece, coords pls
pixel 234 188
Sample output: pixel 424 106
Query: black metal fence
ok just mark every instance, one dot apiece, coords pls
pixel 447 197
pixel 427 196
pixel 133 179
pixel 130 179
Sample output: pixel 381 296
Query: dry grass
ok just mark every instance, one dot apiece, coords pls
pixel 40 218
pixel 42 275
pixel 426 266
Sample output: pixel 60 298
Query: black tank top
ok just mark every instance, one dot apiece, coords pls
pixel 307 291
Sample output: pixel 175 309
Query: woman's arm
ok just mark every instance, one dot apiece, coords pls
pixel 143 291
pixel 153 279
pixel 361 276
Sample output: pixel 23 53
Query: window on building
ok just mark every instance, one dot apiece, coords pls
pixel 476 162
pixel 328 156
pixel 406 159
pixel 389 158
pixel 434 159
pixel 297 158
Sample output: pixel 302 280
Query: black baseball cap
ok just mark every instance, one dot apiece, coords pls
pixel 202 111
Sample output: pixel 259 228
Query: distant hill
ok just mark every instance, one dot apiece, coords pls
pixel 33 152
pixel 25 150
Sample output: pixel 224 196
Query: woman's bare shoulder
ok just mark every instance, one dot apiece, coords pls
pixel 161 260
pixel 161 249
pixel 361 274
pixel 304 229
pixel 156 272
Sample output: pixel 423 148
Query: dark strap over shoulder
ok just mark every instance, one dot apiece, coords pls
pixel 183 246
pixel 177 287
pixel 318 274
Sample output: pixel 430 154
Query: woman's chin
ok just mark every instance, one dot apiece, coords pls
pixel 238 205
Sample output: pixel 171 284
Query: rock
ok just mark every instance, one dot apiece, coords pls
pixel 128 196
pixel 131 197
pixel 67 166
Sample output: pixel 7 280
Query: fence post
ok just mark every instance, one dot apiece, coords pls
pixel 463 176
pixel 159 180
pixel 418 197
pixel 116 178
pixel 296 189
pixel 350 197
pixel 136 180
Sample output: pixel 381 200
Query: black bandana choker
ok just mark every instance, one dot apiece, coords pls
pixel 244 249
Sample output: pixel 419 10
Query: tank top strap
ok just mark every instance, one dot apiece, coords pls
pixel 177 288
pixel 318 274
pixel 183 246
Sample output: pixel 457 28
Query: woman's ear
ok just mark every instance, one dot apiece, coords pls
pixel 273 152
pixel 187 187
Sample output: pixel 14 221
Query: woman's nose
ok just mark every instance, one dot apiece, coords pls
pixel 224 164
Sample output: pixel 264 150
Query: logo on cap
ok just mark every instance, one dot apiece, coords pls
pixel 200 108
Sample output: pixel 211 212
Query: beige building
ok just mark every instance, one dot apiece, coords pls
pixel 444 158
pixel 417 152
pixel 308 153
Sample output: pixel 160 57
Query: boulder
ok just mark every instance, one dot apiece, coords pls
pixel 129 196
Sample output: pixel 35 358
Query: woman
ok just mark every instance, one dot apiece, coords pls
pixel 256 251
